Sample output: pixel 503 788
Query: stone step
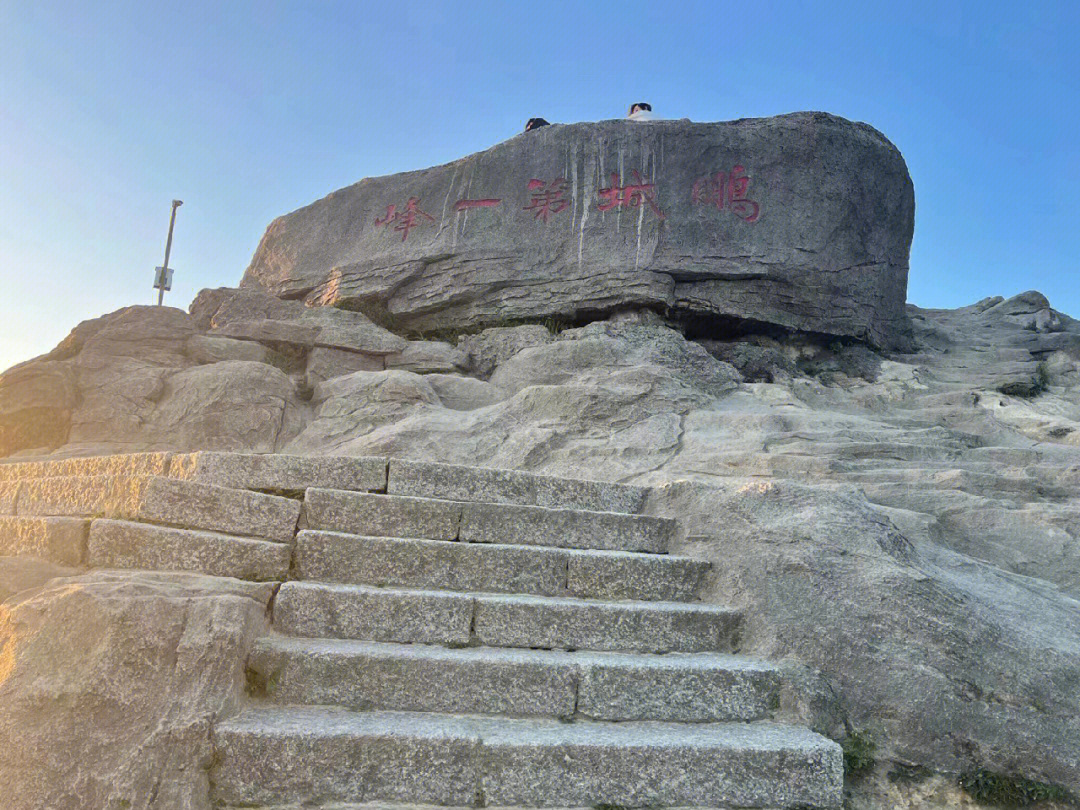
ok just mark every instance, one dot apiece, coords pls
pixel 443 617
pixel 453 482
pixel 362 675
pixel 441 565
pixel 9 496
pixel 123 544
pixel 167 501
pixel 57 539
pixel 281 472
pixel 312 755
pixel 123 464
pixel 432 519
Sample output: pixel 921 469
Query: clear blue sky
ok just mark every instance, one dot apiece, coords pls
pixel 245 111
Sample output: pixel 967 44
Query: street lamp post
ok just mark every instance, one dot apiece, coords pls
pixel 163 280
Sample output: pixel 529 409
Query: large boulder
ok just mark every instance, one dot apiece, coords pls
pixel 802 221
pixel 110 682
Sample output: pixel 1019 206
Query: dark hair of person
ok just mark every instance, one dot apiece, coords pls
pixel 535 123
pixel 641 105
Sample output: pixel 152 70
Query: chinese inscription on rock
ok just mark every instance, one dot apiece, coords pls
pixel 547 198
pixel 406 220
pixel 631 195
pixel 727 190
pixel 724 190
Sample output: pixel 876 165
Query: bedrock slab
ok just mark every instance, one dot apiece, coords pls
pixel 802 220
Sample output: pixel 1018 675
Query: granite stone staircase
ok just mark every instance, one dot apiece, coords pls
pixel 444 635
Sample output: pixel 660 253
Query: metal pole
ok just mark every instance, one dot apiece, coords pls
pixel 168 247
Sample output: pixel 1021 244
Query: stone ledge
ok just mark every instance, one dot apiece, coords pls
pixel 324 610
pixel 497 568
pixel 320 755
pixel 118 464
pixel 57 539
pixel 381 515
pixel 153 499
pixel 277 471
pixel 364 675
pixel 564 528
pixel 121 544
pixel 487 484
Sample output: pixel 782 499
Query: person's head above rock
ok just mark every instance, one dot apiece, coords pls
pixel 640 111
pixel 535 123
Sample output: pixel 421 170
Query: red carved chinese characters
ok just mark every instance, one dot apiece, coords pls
pixel 631 195
pixel 463 205
pixel 406 220
pixel 547 198
pixel 727 189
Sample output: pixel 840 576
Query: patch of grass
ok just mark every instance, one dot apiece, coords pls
pixel 1000 790
pixel 605 806
pixel 859 749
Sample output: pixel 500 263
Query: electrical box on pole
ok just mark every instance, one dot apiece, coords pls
pixel 163 275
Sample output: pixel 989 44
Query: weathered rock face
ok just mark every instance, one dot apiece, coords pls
pixel 110 682
pixel 943 660
pixel 802 221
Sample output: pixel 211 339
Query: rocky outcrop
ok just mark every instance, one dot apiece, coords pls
pixel 899 528
pixel 802 221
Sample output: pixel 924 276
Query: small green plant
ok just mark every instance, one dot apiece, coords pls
pixel 1042 376
pixel 554 325
pixel 999 790
pixel 259 684
pixel 859 749
pixel 605 806
pixel 774 702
